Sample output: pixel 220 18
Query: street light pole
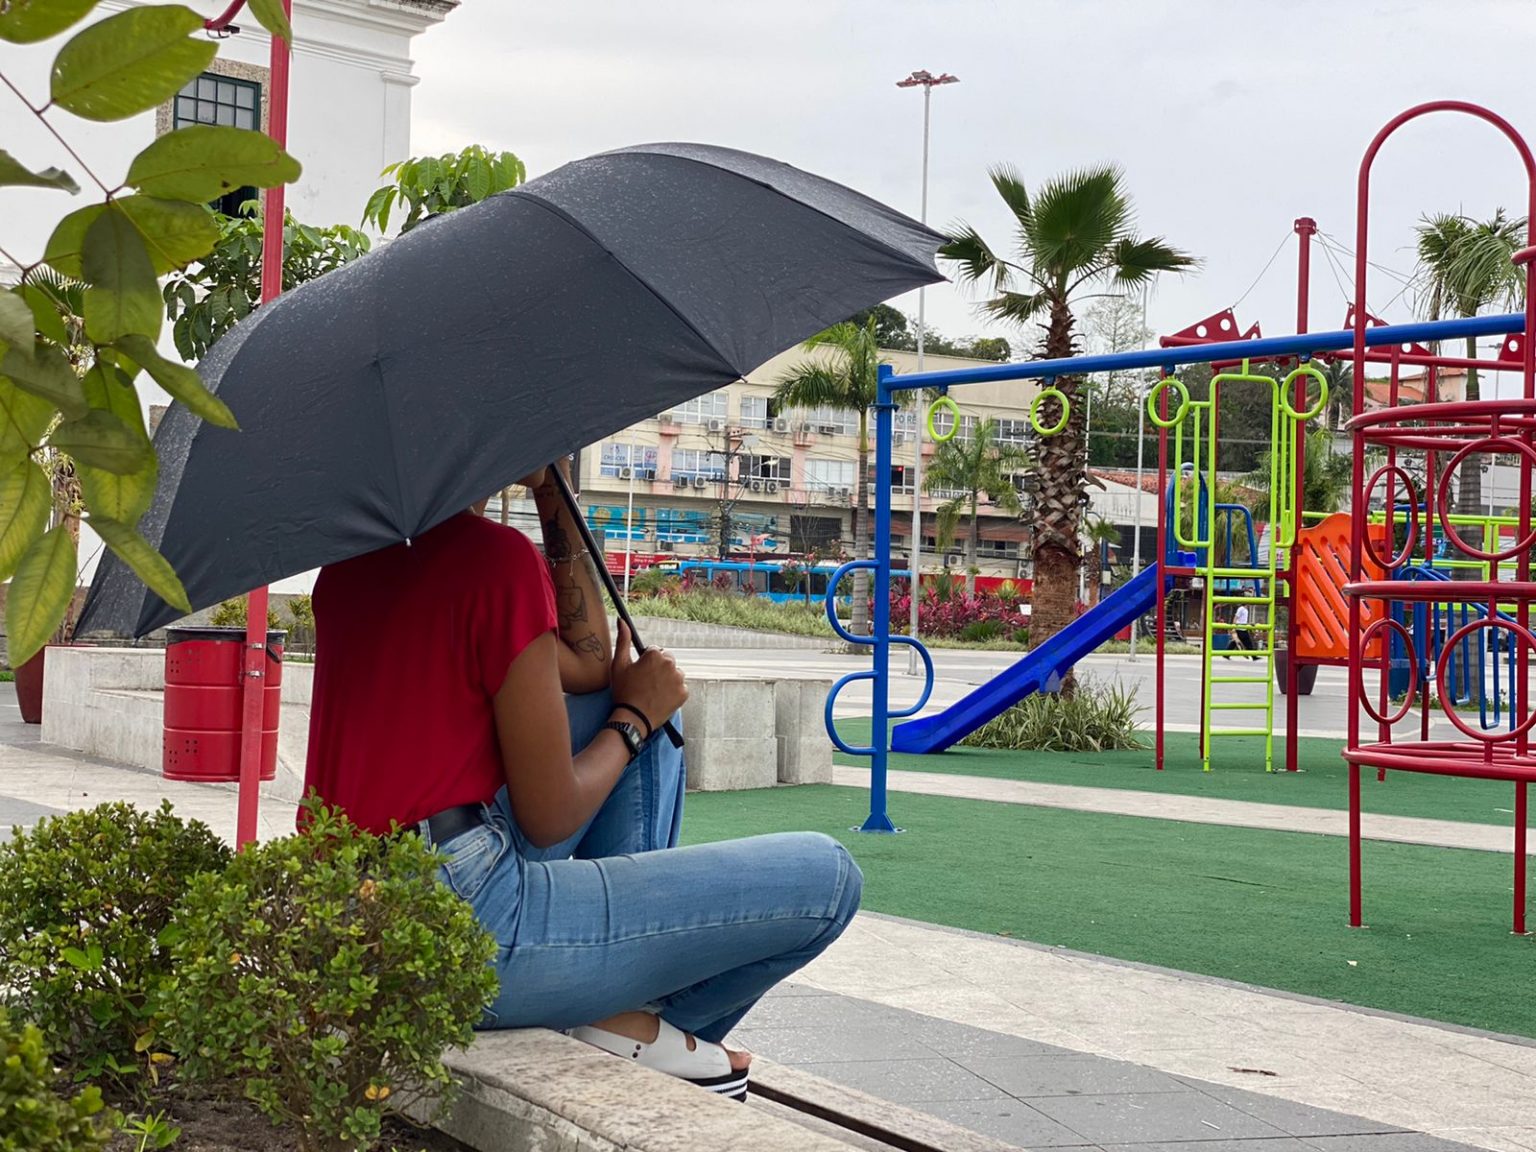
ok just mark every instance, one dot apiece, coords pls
pixel 927 81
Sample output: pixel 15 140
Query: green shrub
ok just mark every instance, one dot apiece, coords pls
pixel 84 906
pixel 326 973
pixel 1020 637
pixel 653 582
pixel 707 606
pixel 34 1117
pixel 232 614
pixel 980 631
pixel 301 610
pixel 1096 718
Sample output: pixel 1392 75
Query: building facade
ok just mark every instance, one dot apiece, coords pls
pixel 732 475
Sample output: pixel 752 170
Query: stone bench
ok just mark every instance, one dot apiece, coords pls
pixel 742 731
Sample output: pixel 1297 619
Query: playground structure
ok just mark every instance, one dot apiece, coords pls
pixel 1356 597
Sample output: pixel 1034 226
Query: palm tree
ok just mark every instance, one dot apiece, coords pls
pixel 1326 475
pixel 1467 267
pixel 845 378
pixel 973 468
pixel 1099 531
pixel 1075 237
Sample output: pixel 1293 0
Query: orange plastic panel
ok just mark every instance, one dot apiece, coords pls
pixel 1321 561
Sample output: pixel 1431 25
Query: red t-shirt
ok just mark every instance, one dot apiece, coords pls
pixel 411 645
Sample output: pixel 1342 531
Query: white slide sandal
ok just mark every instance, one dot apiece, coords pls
pixel 706 1065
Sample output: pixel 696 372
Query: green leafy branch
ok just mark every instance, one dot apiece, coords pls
pixel 428 185
pixel 80 326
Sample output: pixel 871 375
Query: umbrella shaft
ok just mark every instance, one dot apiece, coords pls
pixel 594 549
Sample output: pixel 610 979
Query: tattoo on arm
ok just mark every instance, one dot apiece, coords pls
pixel 557 542
pixel 571 606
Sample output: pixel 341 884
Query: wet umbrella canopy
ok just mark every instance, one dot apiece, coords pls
pixel 384 397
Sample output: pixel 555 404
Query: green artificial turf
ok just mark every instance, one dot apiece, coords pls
pixel 1268 908
pixel 1237 773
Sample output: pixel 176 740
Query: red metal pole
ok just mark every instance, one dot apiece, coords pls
pixel 255 664
pixel 1305 228
pixel 1520 861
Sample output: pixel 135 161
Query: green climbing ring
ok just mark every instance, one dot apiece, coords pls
pixel 943 403
pixel 1178 413
pixel 1034 411
pixel 1322 394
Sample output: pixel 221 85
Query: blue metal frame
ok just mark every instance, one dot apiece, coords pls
pixel 889 386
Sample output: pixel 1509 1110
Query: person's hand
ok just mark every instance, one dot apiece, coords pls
pixel 538 479
pixel 653 683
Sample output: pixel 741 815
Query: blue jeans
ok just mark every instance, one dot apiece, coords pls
pixel 618 918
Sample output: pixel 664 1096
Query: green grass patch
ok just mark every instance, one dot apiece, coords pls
pixel 1237 773
pixel 1267 908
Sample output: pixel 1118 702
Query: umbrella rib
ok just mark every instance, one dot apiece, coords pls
pixel 555 210
pixel 889 248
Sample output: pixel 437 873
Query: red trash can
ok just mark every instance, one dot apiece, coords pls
pixel 203 702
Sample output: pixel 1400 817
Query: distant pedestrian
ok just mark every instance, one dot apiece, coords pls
pixel 1242 634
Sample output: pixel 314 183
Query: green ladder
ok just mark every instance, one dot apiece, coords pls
pixel 1260 602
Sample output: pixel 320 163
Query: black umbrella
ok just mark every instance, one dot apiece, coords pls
pixel 382 398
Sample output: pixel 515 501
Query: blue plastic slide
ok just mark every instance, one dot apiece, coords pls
pixel 1039 671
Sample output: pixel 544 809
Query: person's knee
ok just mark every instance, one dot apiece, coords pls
pixel 848 884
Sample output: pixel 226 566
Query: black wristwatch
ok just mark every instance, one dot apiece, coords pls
pixel 630 734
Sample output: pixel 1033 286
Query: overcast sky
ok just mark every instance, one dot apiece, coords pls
pixel 1230 117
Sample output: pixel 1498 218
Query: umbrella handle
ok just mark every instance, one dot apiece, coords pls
pixel 595 550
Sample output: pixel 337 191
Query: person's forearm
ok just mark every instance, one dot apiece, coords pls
pixel 583 620
pixel 597 768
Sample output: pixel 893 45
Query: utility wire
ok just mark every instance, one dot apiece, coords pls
pixel 1278 248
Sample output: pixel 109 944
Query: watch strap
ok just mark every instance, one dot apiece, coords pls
pixel 629 734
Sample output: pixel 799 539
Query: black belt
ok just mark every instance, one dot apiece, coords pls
pixel 451 822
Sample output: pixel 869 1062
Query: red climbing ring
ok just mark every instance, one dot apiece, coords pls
pixel 1486 735
pixel 1493 444
pixel 1413 518
pixel 1413 670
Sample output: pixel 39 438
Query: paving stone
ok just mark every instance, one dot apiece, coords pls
pixel 818 1012
pixel 1288 1116
pixel 1056 1075
pixel 14 810
pixel 1385 1142
pixel 799 1046
pixel 1146 1117
pixel 1018 1123
pixel 960 1041
pixel 914 1082
pixel 790 988
pixel 1257 1144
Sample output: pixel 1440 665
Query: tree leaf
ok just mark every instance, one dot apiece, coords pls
pixel 205 161
pixel 47 373
pixel 26 496
pixel 45 313
pixel 147 564
pixel 41 590
pixel 130 62
pixel 17 175
pixel 68 240
pixel 24 418
pixel 123 296
pixel 102 440
pixel 179 380
pixel 174 232
pixel 16 326
pixel 121 497
pixel 28 21
pixel 272 17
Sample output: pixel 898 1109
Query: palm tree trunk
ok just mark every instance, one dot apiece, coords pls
pixel 861 531
pixel 971 539
pixel 1469 480
pixel 1059 507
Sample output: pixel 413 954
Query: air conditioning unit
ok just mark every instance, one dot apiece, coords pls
pixel 701 482
pixel 645 474
pixel 802 433
pixel 772 486
pixel 664 546
pixel 843 493
pixel 626 473
pixel 828 429
pixel 780 424
pixel 680 480
pixel 715 426
pixel 665 418
pixel 755 485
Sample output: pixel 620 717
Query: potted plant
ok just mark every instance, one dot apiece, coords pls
pixel 1306 674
